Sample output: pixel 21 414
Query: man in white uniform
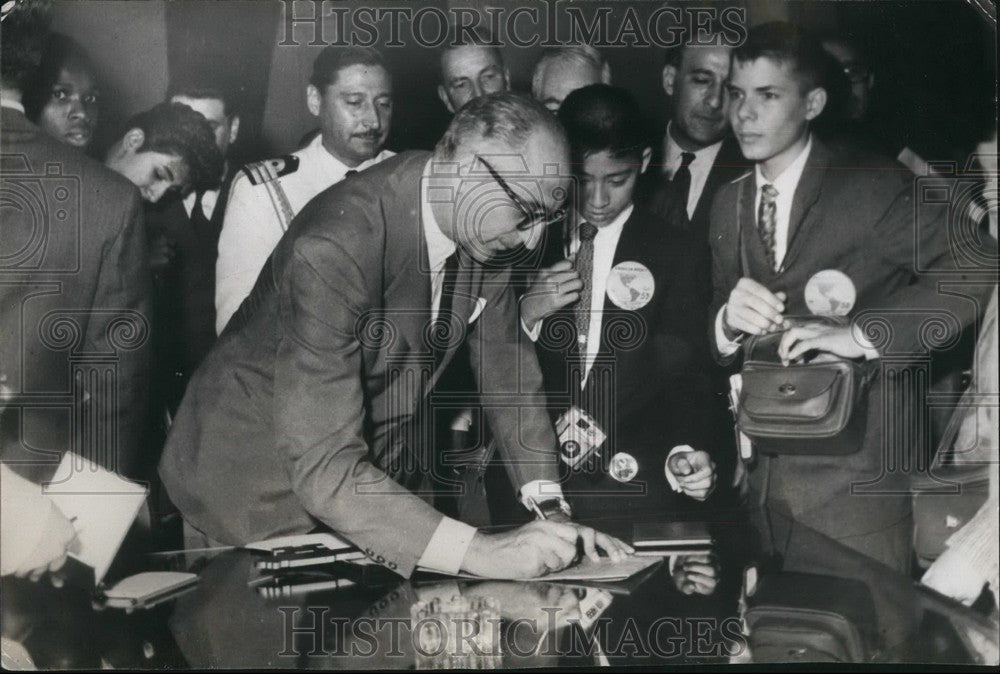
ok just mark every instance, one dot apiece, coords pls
pixel 350 91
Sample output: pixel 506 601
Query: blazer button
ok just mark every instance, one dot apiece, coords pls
pixel 392 565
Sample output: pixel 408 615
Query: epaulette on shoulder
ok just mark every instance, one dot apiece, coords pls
pixel 742 177
pixel 260 172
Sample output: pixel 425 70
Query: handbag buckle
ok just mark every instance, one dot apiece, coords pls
pixel 787 389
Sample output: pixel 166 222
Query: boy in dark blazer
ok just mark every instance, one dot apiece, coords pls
pixel 805 209
pixel 615 317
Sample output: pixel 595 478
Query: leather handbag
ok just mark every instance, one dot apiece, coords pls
pixel 801 617
pixel 814 407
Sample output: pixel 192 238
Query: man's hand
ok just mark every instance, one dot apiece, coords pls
pixel 50 554
pixel 753 309
pixel 537 548
pixel 695 473
pixel 836 339
pixel 555 287
pixel 696 574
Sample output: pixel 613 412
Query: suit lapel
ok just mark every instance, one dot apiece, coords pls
pixel 804 216
pixel 729 163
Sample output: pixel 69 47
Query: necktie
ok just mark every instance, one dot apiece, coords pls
pixel 767 222
pixel 680 188
pixel 448 277
pixel 198 218
pixel 584 267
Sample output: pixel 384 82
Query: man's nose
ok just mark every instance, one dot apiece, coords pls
pixel 716 96
pixel 155 191
pixel 370 118
pixel 598 195
pixel 743 110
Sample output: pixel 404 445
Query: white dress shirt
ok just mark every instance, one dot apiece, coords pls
pixel 450 541
pixel 699 167
pixel 252 227
pixel 208 202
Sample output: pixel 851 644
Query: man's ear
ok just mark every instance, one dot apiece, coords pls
pixel 133 140
pixel 647 155
pixel 815 102
pixel 234 129
pixel 313 100
pixel 669 76
pixel 443 95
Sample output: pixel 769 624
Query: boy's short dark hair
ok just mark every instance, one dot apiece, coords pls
pixel 601 117
pixel 334 59
pixel 175 129
pixel 786 43
pixel 202 89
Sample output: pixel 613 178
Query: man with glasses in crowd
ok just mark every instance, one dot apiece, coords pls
pixel 313 408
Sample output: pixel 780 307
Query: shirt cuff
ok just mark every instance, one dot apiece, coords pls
pixel 871 353
pixel 671 478
pixel 727 347
pixel 534 333
pixel 446 550
pixel 540 490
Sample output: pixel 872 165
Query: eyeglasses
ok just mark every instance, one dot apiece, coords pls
pixel 532 216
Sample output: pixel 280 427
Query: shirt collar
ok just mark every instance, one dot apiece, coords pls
pixel 789 178
pixel 672 151
pixel 333 166
pixel 439 246
pixel 612 229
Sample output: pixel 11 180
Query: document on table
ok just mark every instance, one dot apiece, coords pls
pixel 604 570
pixel 101 505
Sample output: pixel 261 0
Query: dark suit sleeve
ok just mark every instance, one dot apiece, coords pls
pixel 120 324
pixel 320 399
pixel 724 243
pixel 912 235
pixel 506 368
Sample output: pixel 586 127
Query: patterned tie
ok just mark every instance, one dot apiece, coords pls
pixel 767 222
pixel 584 267
pixel 680 188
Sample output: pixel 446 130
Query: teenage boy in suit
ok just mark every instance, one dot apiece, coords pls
pixel 615 320
pixel 805 209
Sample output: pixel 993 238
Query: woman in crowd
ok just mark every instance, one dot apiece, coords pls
pixel 63 98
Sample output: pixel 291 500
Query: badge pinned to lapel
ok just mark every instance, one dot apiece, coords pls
pixel 631 285
pixel 830 292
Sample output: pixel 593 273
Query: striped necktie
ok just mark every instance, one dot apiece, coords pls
pixel 585 267
pixel 767 222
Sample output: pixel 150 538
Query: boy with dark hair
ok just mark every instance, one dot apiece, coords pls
pixel 809 219
pixel 632 300
pixel 168 147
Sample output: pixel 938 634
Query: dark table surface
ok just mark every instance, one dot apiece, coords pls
pixel 807 599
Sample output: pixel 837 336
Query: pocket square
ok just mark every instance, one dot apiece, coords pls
pixel 480 305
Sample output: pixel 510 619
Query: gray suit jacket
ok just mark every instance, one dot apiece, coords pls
pixel 853 213
pixel 303 411
pixel 74 303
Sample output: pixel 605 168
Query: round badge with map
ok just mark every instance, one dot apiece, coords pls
pixel 830 293
pixel 623 467
pixel 630 285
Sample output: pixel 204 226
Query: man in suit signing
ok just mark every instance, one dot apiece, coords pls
pixel 309 410
pixel 805 209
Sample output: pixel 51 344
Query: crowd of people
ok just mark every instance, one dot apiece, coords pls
pixel 404 348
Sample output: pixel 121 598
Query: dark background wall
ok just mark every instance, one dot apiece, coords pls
pixel 935 60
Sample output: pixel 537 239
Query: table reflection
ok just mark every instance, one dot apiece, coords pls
pixel 767 591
